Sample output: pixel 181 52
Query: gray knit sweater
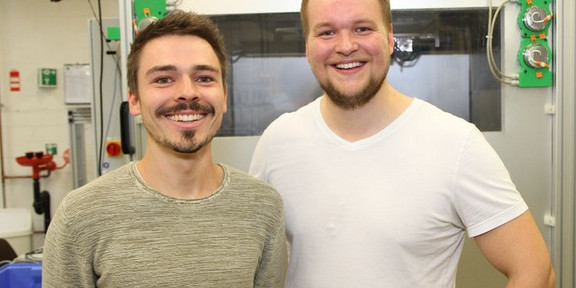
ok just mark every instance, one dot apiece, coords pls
pixel 117 232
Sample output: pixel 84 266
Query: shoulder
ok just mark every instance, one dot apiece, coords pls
pixel 253 198
pixel 100 190
pixel 431 118
pixel 440 116
pixel 250 186
pixel 293 120
pixel 243 180
pixel 119 176
pixel 293 128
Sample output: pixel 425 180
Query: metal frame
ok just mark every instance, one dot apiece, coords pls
pixel 77 118
pixel 125 18
pixel 564 139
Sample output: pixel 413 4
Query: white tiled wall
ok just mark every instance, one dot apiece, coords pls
pixel 40 34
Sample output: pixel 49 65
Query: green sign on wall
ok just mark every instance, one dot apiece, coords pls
pixel 47 77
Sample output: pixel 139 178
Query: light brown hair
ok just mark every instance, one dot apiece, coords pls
pixel 177 23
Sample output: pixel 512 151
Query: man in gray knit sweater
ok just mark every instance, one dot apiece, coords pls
pixel 174 218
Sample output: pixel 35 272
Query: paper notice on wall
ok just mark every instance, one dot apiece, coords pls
pixel 77 84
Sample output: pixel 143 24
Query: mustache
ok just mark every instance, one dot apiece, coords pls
pixel 206 109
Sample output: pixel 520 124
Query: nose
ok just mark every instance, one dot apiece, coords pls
pixel 188 91
pixel 346 43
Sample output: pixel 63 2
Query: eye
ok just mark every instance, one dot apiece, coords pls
pixel 205 79
pixel 163 80
pixel 325 34
pixel 363 30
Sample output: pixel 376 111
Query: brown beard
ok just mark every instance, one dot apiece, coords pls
pixel 187 145
pixel 351 102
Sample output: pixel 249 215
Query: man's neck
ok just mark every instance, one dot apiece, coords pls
pixel 180 176
pixel 356 124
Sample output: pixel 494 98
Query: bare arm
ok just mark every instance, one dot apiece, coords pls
pixel 518 250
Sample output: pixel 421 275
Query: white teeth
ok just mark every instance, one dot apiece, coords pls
pixel 185 118
pixel 349 65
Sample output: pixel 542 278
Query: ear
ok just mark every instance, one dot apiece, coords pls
pixel 391 39
pixel 306 50
pixel 225 109
pixel 134 104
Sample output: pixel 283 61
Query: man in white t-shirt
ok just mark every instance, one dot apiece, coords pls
pixel 379 188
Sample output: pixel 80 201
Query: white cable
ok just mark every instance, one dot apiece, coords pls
pixel 490 57
pixel 510 76
pixel 543 20
pixel 493 24
pixel 490 37
pixel 509 79
pixel 173 3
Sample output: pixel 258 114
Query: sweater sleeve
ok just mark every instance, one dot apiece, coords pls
pixel 272 268
pixel 64 263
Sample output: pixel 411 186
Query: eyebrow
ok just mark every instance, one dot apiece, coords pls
pixel 164 68
pixel 321 25
pixel 206 68
pixel 161 68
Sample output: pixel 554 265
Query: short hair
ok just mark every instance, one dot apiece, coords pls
pixel 177 23
pixel 384 6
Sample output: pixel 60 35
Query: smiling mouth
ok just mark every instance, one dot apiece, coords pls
pixel 186 118
pixel 186 112
pixel 347 66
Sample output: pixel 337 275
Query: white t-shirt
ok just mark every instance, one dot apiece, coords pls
pixel 390 210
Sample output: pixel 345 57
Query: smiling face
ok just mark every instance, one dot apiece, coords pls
pixel 348 48
pixel 181 96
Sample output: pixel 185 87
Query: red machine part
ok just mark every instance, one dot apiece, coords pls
pixel 39 162
pixel 114 148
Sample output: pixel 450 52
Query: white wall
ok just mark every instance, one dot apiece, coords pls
pixel 35 34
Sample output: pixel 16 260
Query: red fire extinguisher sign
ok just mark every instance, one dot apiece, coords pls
pixel 14 81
